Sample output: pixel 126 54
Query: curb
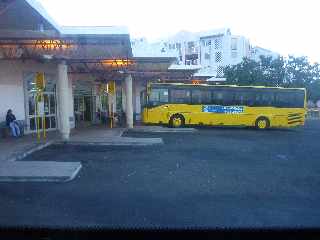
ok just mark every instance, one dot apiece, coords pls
pixel 30 178
pixel 116 143
pixel 34 179
pixel 169 130
pixel 20 156
pixel 75 173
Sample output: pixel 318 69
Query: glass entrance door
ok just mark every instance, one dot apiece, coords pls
pixel 49 99
pixel 49 110
pixel 84 110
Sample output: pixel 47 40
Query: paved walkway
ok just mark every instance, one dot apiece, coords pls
pixel 95 133
pixel 12 149
pixel 16 148
pixel 34 171
pixel 99 135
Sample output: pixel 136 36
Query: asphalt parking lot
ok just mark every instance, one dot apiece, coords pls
pixel 215 177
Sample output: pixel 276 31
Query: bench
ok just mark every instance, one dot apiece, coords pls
pixel 5 130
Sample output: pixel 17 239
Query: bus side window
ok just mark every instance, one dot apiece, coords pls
pixel 239 98
pixel 206 97
pixel 250 99
pixel 293 99
pixel 200 96
pixel 298 101
pixel 264 99
pixel 154 97
pixel 180 96
pixel 217 97
pixel 228 97
pixel 164 95
pixel 143 98
pixel 158 96
pixel 223 97
pixel 281 99
pixel 196 96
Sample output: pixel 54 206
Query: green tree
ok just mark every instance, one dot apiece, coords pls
pixel 298 72
pixel 272 70
pixel 290 72
pixel 245 73
pixel 301 73
pixel 266 72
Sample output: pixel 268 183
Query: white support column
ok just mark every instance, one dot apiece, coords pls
pixel 62 92
pixel 129 105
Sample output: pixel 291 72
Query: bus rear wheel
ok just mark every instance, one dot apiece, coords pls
pixel 262 123
pixel 176 121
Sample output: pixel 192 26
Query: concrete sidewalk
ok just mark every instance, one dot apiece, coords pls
pixel 97 135
pixel 12 150
pixel 45 171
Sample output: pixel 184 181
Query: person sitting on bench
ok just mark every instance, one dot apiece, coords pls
pixel 12 124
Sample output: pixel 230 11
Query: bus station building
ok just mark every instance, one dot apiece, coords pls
pixel 90 72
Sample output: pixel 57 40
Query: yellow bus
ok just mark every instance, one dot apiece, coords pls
pixel 178 104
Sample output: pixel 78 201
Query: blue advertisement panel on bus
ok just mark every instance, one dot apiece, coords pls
pixel 222 109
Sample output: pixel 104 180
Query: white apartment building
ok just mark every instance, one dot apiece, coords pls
pixel 220 48
pixel 256 52
pixel 211 50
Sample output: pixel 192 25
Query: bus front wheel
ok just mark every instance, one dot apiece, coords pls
pixel 176 120
pixel 262 123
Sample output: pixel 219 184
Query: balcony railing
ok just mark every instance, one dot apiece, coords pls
pixel 192 50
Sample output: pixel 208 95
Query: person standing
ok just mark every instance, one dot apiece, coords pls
pixel 12 123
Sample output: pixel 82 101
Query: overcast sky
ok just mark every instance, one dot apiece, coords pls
pixel 285 26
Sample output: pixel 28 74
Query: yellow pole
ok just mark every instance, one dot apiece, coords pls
pixel 112 112
pixel 43 120
pixel 37 117
pixel 110 107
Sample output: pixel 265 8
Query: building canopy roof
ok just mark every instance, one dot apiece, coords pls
pixel 28 31
pixel 94 30
pixel 42 11
pixel 25 23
